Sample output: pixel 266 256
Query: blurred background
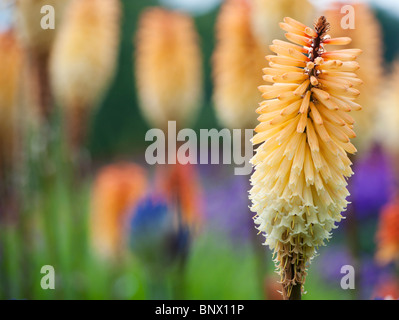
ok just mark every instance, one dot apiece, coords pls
pixel 75 190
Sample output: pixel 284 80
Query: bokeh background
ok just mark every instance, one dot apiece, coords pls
pixel 77 194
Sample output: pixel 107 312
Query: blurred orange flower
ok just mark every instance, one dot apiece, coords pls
pixel 117 188
pixel 181 186
pixel 388 290
pixel 10 76
pixel 388 234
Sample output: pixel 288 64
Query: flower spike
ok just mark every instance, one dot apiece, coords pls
pixel 299 185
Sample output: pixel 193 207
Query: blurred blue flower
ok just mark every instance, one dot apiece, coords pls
pixel 156 236
pixel 371 186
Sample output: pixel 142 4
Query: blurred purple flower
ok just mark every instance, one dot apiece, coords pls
pixel 371 186
pixel 226 198
pixel 332 259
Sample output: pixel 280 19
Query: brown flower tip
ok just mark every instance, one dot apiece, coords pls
pixel 322 26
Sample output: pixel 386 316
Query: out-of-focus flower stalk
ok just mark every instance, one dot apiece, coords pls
pixel 84 61
pixel 38 43
pixel 168 68
pixel 11 57
pixel 168 71
pixel 367 36
pixel 299 185
pixel 237 63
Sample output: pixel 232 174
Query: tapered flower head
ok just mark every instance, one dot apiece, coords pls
pixel 388 234
pixel 84 60
pixel 117 189
pixel 237 64
pixel 366 36
pixel 168 68
pixel 299 184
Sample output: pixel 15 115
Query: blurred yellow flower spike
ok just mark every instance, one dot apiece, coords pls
pixel 387 129
pixel 32 21
pixel 237 66
pixel 266 15
pixel 84 61
pixel 168 68
pixel 299 184
pixel 367 36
